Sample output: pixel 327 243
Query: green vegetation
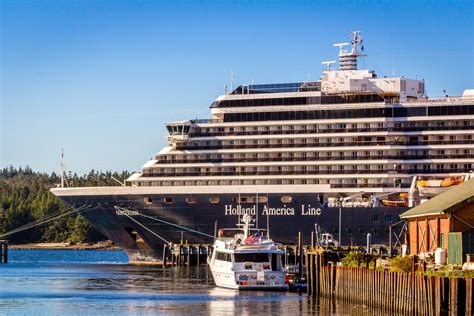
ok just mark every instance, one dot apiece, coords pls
pixel 400 264
pixel 353 259
pixel 25 197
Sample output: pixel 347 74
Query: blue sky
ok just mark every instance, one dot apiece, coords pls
pixel 100 78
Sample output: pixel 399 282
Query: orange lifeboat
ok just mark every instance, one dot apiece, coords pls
pixel 395 203
pixel 451 181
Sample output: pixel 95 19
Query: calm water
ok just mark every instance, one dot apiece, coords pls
pixel 68 282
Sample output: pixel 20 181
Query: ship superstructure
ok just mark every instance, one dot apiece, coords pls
pixel 349 132
pixel 351 140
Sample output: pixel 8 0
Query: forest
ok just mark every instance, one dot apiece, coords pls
pixel 25 198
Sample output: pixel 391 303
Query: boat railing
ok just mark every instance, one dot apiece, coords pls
pixel 205 121
pixel 441 99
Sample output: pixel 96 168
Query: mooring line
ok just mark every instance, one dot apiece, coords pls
pixel 168 223
pixel 152 232
pixel 42 218
pixel 31 225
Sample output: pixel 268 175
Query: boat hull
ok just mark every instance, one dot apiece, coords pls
pixel 142 228
pixel 228 280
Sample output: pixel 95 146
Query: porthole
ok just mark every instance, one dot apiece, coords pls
pixel 147 200
pixel 286 199
pixel 262 199
pixel 168 200
pixel 191 200
pixel 250 199
pixel 214 200
pixel 375 219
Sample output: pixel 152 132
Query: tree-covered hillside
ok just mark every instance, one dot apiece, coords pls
pixel 25 197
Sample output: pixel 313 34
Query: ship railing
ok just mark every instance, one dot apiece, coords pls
pixel 334 130
pixel 325 144
pixel 446 99
pixel 393 172
pixel 319 158
pixel 206 121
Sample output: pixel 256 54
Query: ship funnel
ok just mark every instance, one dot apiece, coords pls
pixel 348 59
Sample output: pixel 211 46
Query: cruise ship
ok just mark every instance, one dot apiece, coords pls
pixel 345 152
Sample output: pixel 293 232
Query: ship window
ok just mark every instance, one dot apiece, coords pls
pixel 361 231
pixel 168 200
pixel 147 200
pixel 375 219
pixel 251 257
pixel 247 199
pixel 191 200
pixel 214 200
pixel 250 199
pixel 223 256
pixel 262 199
pixel 388 218
pixel 286 199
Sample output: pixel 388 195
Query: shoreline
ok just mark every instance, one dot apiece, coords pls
pixel 102 245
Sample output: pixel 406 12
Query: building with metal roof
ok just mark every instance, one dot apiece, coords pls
pixel 445 221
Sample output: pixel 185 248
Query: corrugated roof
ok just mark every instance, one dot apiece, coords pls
pixel 448 201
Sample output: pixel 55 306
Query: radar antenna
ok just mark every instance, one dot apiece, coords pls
pixel 328 64
pixel 348 59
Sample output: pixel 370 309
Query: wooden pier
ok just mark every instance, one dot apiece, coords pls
pixel 196 254
pixel 3 251
pixel 407 293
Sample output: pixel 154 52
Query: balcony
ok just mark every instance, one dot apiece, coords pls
pixel 188 146
pixel 272 159
pixel 392 172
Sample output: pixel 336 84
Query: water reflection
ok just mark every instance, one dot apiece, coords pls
pixel 42 287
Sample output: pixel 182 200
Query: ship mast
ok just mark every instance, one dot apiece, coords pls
pixel 62 168
pixel 348 59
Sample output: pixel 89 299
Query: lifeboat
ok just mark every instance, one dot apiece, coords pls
pixel 435 187
pixel 397 203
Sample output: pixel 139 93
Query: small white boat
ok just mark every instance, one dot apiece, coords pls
pixel 247 259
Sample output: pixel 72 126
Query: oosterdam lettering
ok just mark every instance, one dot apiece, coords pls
pixel 306 210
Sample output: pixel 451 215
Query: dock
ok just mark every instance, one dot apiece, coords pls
pixel 3 251
pixel 196 254
pixel 400 292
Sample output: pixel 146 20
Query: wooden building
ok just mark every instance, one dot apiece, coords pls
pixel 434 222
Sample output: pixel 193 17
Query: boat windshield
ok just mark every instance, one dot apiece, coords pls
pixel 251 257
pixel 229 233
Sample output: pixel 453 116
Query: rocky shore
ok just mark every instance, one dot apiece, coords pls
pixel 102 245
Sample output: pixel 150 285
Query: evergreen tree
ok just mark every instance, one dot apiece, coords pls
pixel 25 197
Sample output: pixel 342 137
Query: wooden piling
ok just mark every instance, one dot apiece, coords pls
pixel 3 251
pixel 397 292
